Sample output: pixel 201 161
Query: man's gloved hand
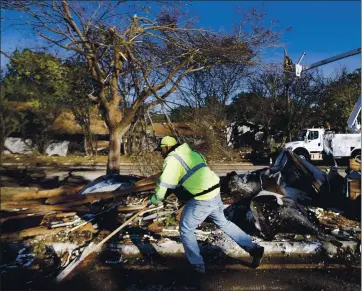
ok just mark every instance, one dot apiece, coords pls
pixel 154 201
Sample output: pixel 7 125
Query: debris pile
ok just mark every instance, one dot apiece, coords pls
pixel 283 199
pixel 71 215
pixel 292 200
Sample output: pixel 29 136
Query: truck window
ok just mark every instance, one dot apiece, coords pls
pixel 301 135
pixel 313 135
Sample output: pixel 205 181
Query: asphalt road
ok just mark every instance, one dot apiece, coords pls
pixel 272 275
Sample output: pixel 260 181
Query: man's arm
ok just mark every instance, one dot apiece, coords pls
pixel 171 175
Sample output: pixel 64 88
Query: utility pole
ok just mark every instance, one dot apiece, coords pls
pixel 288 68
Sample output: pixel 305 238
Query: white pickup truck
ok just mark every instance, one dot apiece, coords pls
pixel 312 142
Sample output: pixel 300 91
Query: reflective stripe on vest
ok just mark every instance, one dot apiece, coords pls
pixel 166 185
pixel 189 171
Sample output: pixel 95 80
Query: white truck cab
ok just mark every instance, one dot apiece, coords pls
pixel 309 144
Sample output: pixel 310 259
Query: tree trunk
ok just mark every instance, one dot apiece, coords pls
pixel 88 141
pixel 129 144
pixel 114 151
pixel 88 148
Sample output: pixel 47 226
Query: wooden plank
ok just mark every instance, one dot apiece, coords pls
pixel 27 215
pixel 10 204
pixel 46 193
pixel 150 180
pixel 23 216
pixel 129 208
pixel 91 197
pixel 31 208
pixel 30 232
pixel 138 185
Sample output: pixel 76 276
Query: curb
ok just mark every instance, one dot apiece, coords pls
pixel 85 164
pixel 173 248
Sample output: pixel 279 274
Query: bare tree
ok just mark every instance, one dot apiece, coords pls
pixel 136 58
pixel 221 81
pixel 265 103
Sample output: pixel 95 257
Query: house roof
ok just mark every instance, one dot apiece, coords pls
pixel 163 129
pixel 65 123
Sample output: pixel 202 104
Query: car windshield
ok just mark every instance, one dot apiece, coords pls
pixel 301 135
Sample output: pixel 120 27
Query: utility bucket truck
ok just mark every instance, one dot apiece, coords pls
pixel 312 142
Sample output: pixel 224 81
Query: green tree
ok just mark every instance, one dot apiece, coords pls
pixel 39 78
pixel 336 105
pixel 10 120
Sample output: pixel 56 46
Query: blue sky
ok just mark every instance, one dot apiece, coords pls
pixel 320 28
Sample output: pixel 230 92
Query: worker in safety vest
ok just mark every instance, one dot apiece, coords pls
pixel 186 168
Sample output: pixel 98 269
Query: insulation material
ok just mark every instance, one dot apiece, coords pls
pixel 109 182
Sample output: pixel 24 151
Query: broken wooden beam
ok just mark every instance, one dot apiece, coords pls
pixel 123 208
pixel 30 232
pixel 74 200
pixel 24 216
pixel 150 180
pixel 28 204
pixel 46 193
pixel 35 208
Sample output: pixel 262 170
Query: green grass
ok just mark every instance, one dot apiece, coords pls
pixel 72 159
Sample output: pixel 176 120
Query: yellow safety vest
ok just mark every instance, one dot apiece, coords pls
pixel 187 168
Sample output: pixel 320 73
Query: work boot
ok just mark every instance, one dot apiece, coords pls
pixel 257 254
pixel 199 268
